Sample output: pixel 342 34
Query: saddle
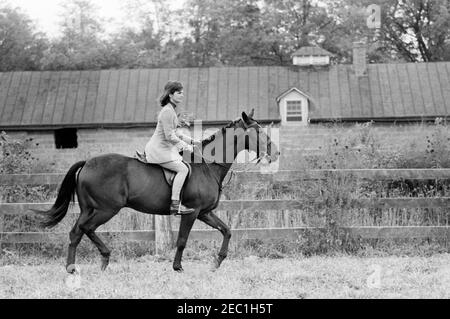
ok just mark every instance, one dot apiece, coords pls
pixel 168 174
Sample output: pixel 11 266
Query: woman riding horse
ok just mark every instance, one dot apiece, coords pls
pixel 166 143
pixel 107 183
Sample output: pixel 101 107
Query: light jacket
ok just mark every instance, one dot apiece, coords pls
pixel 166 143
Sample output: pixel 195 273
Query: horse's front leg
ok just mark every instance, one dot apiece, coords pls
pixel 185 228
pixel 212 220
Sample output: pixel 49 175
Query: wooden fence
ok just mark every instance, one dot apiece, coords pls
pixel 369 232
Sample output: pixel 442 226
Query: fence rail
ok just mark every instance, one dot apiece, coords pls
pixel 265 205
pixel 366 232
pixel 271 204
pixel 280 176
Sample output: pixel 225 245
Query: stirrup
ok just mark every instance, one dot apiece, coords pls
pixel 176 208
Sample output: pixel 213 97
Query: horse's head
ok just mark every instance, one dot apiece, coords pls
pixel 256 138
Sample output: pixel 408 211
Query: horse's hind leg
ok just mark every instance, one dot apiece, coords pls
pixel 75 237
pixel 212 220
pixel 89 227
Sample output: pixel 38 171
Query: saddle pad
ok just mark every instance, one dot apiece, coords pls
pixel 168 174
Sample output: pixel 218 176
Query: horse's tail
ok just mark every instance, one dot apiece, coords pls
pixel 66 193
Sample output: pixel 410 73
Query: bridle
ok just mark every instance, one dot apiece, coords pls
pixel 262 155
pixel 258 159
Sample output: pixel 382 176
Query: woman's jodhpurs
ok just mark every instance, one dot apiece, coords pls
pixel 182 172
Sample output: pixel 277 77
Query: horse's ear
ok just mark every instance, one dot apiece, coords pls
pixel 245 118
pixel 251 113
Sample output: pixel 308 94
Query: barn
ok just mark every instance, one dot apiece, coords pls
pixel 73 115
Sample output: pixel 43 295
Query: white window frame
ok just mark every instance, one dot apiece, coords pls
pixel 296 112
pixel 294 96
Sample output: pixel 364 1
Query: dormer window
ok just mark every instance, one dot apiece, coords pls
pixel 294 111
pixel 294 107
pixel 310 56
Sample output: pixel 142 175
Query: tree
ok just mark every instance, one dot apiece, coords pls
pixel 200 47
pixel 411 30
pixel 80 23
pixel 21 46
pixel 350 25
pixel 419 30
pixel 293 24
pixel 149 41
pixel 80 46
pixel 229 32
pixel 245 39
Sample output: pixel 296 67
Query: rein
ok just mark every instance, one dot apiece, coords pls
pixel 232 172
pixel 211 171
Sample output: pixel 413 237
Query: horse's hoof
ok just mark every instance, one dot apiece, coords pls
pixel 178 269
pixel 105 263
pixel 215 264
pixel 72 269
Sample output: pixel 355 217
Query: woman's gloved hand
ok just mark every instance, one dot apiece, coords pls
pixel 189 148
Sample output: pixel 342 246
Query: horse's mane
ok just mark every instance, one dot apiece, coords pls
pixel 211 138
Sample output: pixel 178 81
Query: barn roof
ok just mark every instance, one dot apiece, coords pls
pixel 120 97
pixel 294 89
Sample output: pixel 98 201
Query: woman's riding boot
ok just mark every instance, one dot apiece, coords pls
pixel 179 209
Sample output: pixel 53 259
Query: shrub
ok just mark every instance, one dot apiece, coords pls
pixel 437 153
pixel 15 157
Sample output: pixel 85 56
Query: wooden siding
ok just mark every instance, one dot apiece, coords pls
pixel 220 94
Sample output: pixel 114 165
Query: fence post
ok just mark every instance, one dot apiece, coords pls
pixel 2 221
pixel 163 234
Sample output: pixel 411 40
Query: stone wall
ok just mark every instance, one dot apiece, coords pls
pixel 294 141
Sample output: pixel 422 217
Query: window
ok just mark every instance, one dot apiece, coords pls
pixel 294 107
pixel 293 111
pixel 66 138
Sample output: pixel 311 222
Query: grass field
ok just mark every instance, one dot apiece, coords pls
pixel 250 277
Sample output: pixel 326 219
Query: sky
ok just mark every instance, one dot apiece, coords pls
pixel 46 13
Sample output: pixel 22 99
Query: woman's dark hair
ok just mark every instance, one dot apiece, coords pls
pixel 170 88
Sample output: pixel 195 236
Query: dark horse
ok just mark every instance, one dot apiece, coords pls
pixel 107 183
